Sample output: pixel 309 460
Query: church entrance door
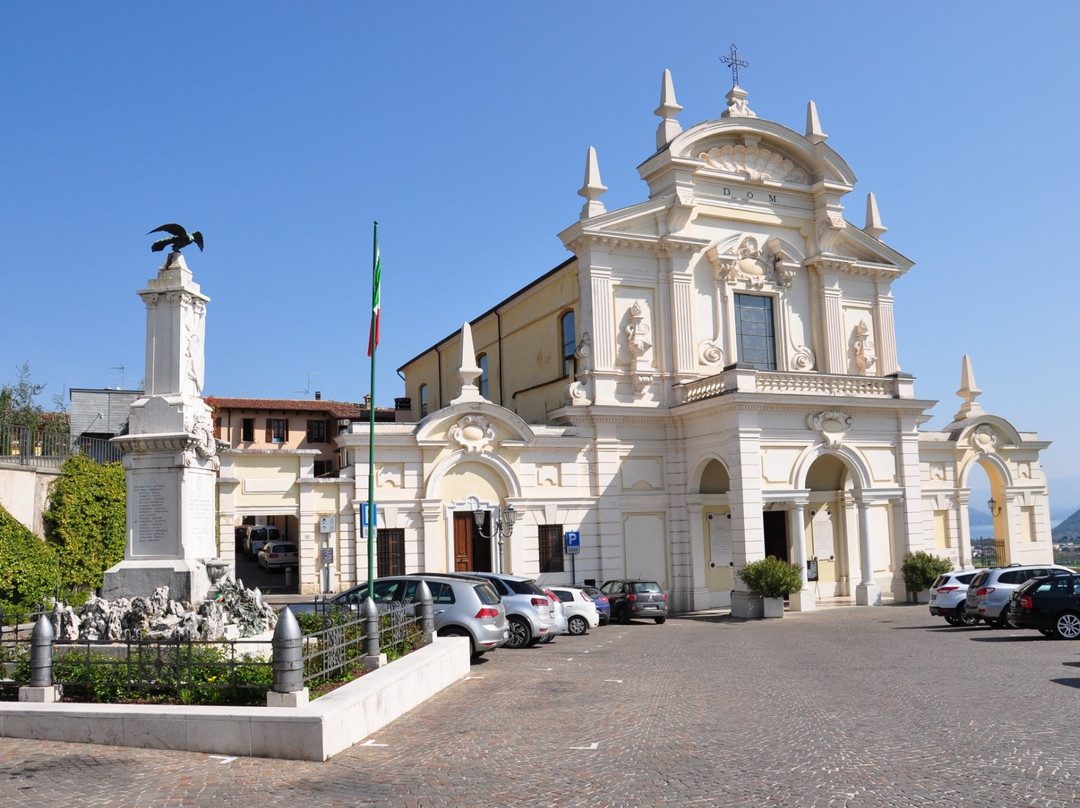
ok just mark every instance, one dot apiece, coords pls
pixel 775 527
pixel 472 552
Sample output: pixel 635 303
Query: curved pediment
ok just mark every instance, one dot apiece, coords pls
pixel 758 151
pixel 474 427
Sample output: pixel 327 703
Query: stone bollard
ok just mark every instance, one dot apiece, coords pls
pixel 426 613
pixel 41 687
pixel 287 664
pixel 373 658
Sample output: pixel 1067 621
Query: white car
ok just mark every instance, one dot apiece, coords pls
pixel 581 611
pixel 948 595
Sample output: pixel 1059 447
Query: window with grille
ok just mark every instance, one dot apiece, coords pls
pixel 551 548
pixel 316 431
pixel 390 552
pixel 754 331
pixel 277 430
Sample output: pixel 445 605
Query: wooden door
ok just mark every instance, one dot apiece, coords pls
pixel 463 541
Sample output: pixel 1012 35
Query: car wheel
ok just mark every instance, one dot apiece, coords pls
pixel 577 624
pixel 953 620
pixel 1067 626
pixel 519 633
pixel 659 620
pixel 624 615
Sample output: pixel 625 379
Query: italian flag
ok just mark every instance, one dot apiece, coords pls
pixel 373 335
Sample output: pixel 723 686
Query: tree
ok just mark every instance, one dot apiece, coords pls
pixel 17 400
pixel 28 570
pixel 86 521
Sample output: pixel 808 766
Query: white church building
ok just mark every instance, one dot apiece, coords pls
pixel 710 378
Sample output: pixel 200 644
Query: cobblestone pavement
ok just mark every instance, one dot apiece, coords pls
pixel 845 707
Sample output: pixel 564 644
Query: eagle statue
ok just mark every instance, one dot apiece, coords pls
pixel 179 238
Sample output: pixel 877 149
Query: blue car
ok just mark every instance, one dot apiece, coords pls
pixel 603 605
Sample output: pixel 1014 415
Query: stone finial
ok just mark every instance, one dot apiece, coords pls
pixel 968 392
pixel 593 188
pixel 468 370
pixel 668 109
pixel 736 104
pixel 813 125
pixel 874 228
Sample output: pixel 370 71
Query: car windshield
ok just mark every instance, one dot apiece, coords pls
pixel 525 588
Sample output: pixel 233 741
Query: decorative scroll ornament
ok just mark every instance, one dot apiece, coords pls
pixel 833 426
pixel 802 358
pixel 577 391
pixel 710 353
pixel 754 163
pixel 863 348
pixel 473 433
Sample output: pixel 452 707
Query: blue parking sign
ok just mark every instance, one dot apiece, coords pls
pixel 573 542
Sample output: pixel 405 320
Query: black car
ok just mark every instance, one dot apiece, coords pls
pixel 1050 605
pixel 632 598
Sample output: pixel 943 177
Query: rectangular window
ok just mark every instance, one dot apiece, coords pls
pixel 217 427
pixel 316 431
pixel 277 430
pixel 754 331
pixel 551 548
pixel 247 431
pixel 390 553
pixel 324 468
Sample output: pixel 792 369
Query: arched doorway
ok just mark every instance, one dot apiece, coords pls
pixel 828 479
pixel 716 533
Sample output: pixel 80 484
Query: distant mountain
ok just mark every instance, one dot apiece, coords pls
pixel 1064 498
pixel 1070 528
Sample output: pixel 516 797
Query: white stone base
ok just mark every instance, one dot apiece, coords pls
pixel 772 607
pixel 746 606
pixel 39 695
pixel 297 699
pixel 803 601
pixel 868 595
pixel 186 579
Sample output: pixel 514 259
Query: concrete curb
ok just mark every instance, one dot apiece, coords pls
pixel 314 731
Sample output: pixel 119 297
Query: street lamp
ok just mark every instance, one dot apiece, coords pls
pixel 502 522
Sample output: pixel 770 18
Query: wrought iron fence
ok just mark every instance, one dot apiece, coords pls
pixel 229 671
pixel 42 448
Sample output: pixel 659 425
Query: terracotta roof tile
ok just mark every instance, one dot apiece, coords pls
pixel 335 409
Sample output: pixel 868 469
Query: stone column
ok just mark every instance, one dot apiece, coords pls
pixel 803 600
pixel 867 593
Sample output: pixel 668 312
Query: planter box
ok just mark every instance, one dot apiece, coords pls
pixel 773 607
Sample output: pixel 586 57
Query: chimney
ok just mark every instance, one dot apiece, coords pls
pixel 318 395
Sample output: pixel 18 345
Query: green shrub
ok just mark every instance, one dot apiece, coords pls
pixel 920 569
pixel 86 522
pixel 771 578
pixel 28 567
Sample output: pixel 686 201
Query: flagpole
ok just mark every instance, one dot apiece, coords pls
pixel 373 341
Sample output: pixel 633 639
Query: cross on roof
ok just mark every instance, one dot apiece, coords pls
pixel 734 62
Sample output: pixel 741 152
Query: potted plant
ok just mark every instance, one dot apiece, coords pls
pixel 919 571
pixel 772 580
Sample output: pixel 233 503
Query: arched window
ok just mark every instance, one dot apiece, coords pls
pixel 482 382
pixel 423 401
pixel 569 344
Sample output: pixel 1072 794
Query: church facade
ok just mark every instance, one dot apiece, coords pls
pixel 711 378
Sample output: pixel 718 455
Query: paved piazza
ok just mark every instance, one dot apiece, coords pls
pixel 842 707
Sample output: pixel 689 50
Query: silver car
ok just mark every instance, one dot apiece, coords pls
pixel 989 591
pixel 530 613
pixel 463 606
pixel 948 596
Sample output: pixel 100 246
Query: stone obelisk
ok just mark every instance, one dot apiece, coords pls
pixel 170 455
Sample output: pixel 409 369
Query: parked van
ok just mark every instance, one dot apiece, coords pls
pixel 257 536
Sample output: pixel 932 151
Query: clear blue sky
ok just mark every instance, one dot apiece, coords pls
pixel 283 130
